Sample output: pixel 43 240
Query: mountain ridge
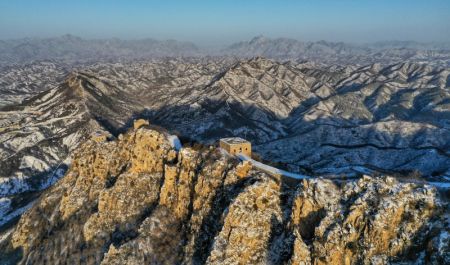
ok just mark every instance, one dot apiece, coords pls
pixel 138 200
pixel 330 121
pixel 75 50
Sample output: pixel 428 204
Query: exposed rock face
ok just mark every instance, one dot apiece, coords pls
pixel 365 222
pixel 37 135
pixel 137 201
pixel 323 120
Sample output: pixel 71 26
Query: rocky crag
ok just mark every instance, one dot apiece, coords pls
pixel 322 120
pixel 136 200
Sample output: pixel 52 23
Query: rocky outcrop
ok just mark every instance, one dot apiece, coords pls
pixel 136 200
pixel 364 222
pixel 323 120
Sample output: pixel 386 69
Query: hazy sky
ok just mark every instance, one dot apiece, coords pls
pixel 222 22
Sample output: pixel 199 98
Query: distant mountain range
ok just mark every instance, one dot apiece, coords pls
pixel 341 53
pixel 74 50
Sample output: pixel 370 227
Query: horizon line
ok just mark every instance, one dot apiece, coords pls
pixel 215 45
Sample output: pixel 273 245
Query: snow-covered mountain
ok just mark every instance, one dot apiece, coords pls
pixel 324 120
pixel 73 50
pixel 340 52
pixel 18 82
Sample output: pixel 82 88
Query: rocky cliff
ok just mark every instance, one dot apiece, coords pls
pixel 136 200
pixel 323 120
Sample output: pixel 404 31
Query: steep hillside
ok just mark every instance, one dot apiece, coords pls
pixel 137 200
pixel 20 82
pixel 38 135
pixel 377 118
pixel 322 120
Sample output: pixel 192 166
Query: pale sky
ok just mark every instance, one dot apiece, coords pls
pixel 224 22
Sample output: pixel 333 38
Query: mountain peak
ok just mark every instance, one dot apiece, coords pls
pixel 259 39
pixel 70 37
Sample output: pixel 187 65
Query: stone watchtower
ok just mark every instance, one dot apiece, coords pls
pixel 236 145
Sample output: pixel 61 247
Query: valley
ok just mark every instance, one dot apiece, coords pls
pixel 368 135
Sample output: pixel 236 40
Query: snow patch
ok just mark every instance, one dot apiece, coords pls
pixel 71 140
pixel 19 183
pixel 13 185
pixel 5 206
pixel 33 163
pixel 444 240
pixel 19 143
pixel 174 142
pixel 7 218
